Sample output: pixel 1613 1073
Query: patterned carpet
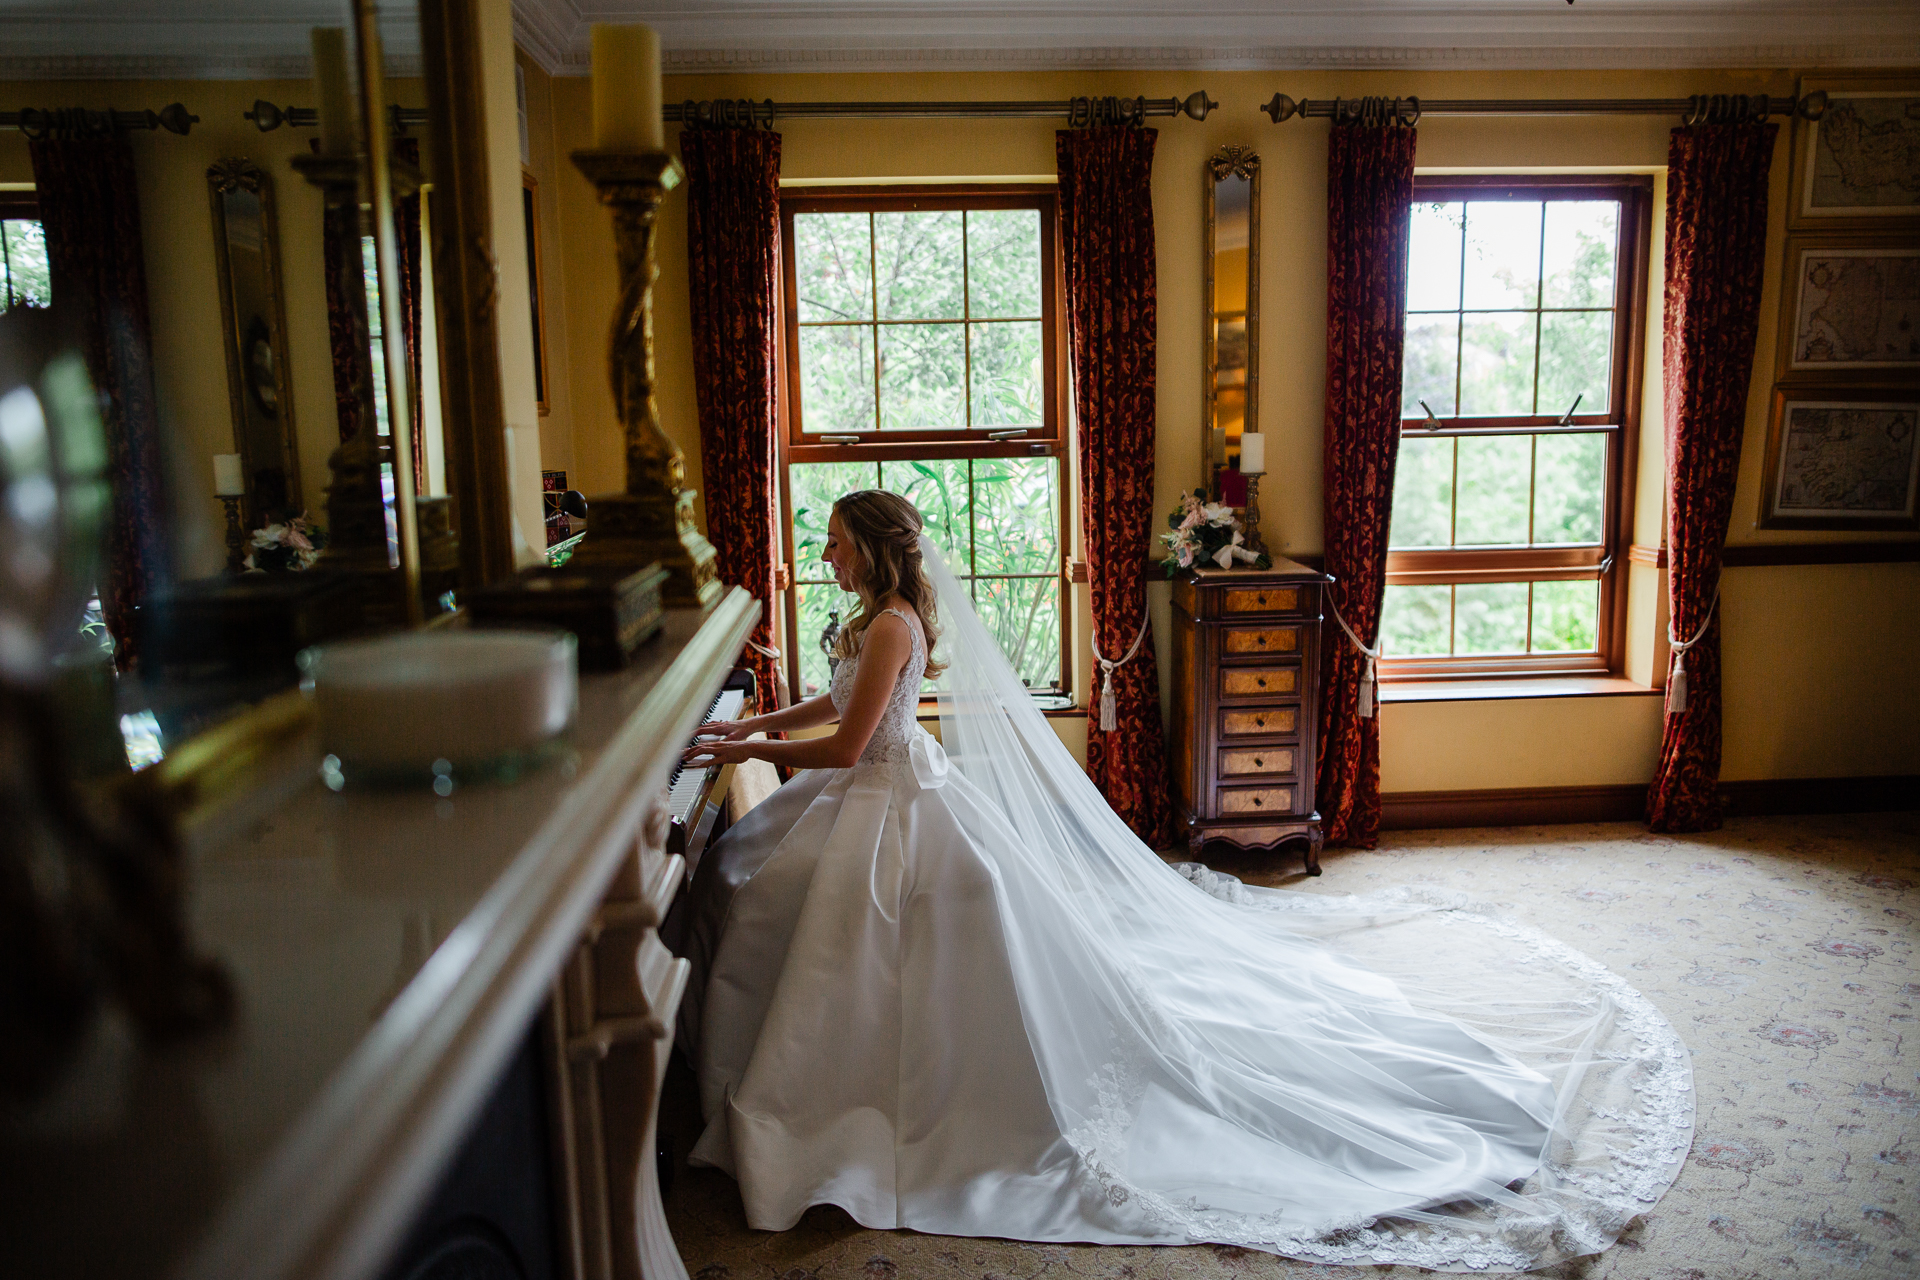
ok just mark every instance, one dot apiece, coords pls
pixel 1782 949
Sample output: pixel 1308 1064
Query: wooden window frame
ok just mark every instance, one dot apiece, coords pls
pixel 1607 562
pixel 793 444
pixel 18 206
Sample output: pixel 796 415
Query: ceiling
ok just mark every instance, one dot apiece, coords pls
pixel 225 39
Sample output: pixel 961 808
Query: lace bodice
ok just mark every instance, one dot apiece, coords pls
pixel 894 734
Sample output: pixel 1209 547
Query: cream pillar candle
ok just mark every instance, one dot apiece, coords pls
pixel 228 479
pixel 336 96
pixel 1253 454
pixel 626 88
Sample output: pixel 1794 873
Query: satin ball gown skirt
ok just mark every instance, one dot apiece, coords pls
pixel 916 1013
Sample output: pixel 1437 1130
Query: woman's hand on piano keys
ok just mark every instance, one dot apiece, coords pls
pixel 720 742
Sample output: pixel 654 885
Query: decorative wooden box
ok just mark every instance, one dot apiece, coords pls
pixel 1246 668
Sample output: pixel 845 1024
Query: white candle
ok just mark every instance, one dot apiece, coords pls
pixel 1253 454
pixel 228 479
pixel 336 95
pixel 626 88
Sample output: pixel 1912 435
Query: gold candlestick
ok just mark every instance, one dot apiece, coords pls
pixel 652 521
pixel 236 536
pixel 1252 532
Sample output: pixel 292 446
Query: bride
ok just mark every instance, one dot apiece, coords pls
pixel 946 988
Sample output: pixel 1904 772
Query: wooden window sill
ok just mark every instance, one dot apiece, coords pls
pixel 1514 687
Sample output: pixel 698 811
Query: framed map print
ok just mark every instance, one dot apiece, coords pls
pixel 1842 459
pixel 1850 303
pixel 1858 165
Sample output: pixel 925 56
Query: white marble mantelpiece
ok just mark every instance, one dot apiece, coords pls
pixel 389 950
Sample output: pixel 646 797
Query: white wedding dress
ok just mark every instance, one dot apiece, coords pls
pixel 957 995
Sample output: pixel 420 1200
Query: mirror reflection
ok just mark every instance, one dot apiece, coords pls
pixel 195 266
pixel 1230 372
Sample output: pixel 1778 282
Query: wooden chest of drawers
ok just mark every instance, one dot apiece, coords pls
pixel 1246 663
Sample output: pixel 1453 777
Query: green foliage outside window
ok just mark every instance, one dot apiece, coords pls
pixel 24 277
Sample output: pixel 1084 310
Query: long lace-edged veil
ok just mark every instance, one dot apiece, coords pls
pixel 1245 1020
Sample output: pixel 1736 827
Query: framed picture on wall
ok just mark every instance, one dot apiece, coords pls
pixel 1858 165
pixel 1842 458
pixel 1851 304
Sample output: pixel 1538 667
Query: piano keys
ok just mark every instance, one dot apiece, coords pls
pixel 695 794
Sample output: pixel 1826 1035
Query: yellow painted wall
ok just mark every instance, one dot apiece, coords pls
pixel 1782 622
pixel 556 425
pixel 182 285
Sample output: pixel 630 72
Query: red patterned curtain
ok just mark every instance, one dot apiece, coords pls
pixel 90 207
pixel 1716 256
pixel 733 261
pixel 1369 208
pixel 344 273
pixel 1106 228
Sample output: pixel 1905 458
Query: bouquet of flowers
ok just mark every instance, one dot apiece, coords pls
pixel 286 547
pixel 1205 531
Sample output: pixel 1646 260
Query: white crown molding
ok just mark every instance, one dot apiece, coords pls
pixel 546 31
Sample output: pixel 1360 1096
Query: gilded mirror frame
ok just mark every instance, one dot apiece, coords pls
pixel 1232 163
pixel 259 377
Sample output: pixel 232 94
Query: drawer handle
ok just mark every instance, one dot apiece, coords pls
pixel 1262 600
pixel 1260 721
pixel 1261 681
pixel 1258 762
pixel 1257 802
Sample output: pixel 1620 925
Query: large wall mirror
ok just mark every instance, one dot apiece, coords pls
pixel 246 239
pixel 1231 328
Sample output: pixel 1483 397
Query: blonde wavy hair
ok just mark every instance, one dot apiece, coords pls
pixel 885 529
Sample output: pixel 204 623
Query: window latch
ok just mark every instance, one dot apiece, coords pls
pixel 1007 435
pixel 840 439
pixel 1566 419
pixel 1432 423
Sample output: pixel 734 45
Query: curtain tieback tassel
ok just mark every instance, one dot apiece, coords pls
pixel 1109 713
pixel 1677 676
pixel 765 650
pixel 1369 678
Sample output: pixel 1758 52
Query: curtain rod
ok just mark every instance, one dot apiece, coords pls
pixel 1701 108
pixel 38 123
pixel 267 117
pixel 1079 111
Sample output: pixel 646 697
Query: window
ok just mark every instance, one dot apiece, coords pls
pixel 24 281
pixel 922 355
pixel 1518 408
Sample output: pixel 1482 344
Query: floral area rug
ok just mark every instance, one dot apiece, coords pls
pixel 1781 948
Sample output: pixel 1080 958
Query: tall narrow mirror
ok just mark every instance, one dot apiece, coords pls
pixel 246 243
pixel 1231 329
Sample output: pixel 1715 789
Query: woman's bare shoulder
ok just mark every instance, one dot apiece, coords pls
pixel 895 611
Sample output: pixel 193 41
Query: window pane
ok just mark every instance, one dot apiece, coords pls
pixel 834 267
pixel 1016 515
pixel 1496 364
pixel 1495 473
pixel 812 489
pixel 923 369
pixel 1423 493
pixel 1490 617
pixel 817 601
pixel 1433 258
pixel 1433 354
pixel 939 488
pixel 1580 240
pixel 1576 359
pixel 1569 480
pixel 1415 621
pixel 836 378
pixel 1503 255
pixel 1566 617
pixel 1003 263
pixel 918 258
pixel 27 274
pixel 1024 615
pixel 1007 374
